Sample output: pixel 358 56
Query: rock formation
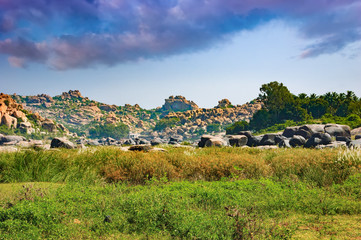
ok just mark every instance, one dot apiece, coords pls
pixel 178 103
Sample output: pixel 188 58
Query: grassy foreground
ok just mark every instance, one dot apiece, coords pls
pixel 228 193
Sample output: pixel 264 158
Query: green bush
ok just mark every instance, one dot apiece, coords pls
pixel 213 128
pixel 109 130
pixel 237 127
pixel 166 122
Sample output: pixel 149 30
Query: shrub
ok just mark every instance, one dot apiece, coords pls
pixel 166 122
pixel 109 130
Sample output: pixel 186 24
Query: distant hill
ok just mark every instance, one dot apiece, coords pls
pixel 178 116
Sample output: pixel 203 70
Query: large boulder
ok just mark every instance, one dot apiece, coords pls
pixel 290 131
pixel 10 139
pixel 215 142
pixel 271 139
pixel 338 130
pixel 156 141
pixel 254 141
pixel 9 121
pixel 318 139
pixel 61 143
pixel 49 125
pixel 211 141
pixel 308 130
pixel 173 140
pixel 26 127
pixel 204 139
pixel 246 133
pixel 285 143
pixel 343 139
pixel 129 142
pixel 238 140
pixel 92 142
pixel 297 141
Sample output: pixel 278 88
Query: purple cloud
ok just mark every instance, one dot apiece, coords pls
pixel 82 33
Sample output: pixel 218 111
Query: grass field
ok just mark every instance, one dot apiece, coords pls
pixel 226 193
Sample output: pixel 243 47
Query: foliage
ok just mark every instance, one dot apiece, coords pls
pixel 109 130
pixel 282 106
pixel 113 165
pixel 226 193
pixel 166 122
pixel 213 127
pixel 237 127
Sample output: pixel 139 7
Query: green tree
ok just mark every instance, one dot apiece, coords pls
pixel 275 97
pixel 109 130
pixel 237 127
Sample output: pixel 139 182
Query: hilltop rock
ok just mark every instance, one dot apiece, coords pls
pixel 178 103
pixel 71 94
pixel 224 103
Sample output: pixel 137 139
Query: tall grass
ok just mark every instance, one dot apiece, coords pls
pixel 109 164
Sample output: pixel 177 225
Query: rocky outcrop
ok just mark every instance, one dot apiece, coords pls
pixel 49 125
pixel 10 111
pixel 224 103
pixel 178 103
pixel 71 94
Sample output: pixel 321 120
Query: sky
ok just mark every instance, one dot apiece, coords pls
pixel 132 51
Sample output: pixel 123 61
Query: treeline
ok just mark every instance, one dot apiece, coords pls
pixel 282 108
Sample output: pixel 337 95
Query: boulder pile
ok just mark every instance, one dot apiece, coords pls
pixel 307 136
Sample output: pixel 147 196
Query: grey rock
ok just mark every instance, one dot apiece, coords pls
pixel 308 130
pixel 246 133
pixel 238 140
pixel 332 145
pixel 254 141
pixel 297 141
pixel 156 141
pixel 11 138
pixel 290 131
pixel 61 143
pixel 318 139
pixel 215 142
pixel 285 143
pixel 338 130
pixel 129 142
pixel 140 148
pixel 354 144
pixel 343 139
pixel 271 139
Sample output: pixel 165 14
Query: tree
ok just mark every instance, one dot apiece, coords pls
pixel 109 130
pixel 275 97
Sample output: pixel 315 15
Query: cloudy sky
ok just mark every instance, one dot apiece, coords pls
pixel 133 51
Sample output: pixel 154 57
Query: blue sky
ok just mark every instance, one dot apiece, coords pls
pixel 122 52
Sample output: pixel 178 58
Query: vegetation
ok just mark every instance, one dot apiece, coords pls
pixel 109 130
pixel 215 193
pixel 213 127
pixel 166 122
pixel 283 108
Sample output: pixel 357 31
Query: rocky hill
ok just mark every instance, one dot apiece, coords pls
pixel 79 114
pixel 14 117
